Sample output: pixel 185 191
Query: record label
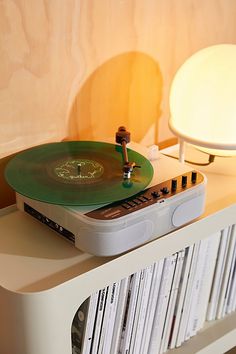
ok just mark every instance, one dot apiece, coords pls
pixel 76 171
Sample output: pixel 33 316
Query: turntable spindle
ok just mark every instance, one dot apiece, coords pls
pixel 79 168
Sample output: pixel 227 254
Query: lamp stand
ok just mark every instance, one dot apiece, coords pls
pixel 181 151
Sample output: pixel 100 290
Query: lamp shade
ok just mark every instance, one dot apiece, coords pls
pixel 203 100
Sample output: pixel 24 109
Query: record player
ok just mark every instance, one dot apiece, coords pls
pixel 104 198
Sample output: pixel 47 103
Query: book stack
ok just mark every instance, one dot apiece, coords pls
pixel 163 305
pixel 222 299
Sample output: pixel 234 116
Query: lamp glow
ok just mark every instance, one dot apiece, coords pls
pixel 203 100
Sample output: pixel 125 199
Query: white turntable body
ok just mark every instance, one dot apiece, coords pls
pixel 175 196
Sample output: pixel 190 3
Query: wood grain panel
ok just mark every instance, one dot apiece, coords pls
pixel 78 69
pixel 125 90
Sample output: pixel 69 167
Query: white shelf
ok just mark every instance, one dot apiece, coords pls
pixel 48 279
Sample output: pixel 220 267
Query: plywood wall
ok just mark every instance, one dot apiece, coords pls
pixel 78 69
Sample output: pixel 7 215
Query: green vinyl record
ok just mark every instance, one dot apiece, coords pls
pixel 77 173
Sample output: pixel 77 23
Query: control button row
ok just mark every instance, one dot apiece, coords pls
pixel 157 194
pixel 126 206
pixel 184 181
pixel 137 201
pixel 164 190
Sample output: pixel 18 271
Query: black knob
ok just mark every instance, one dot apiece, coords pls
pixel 174 185
pixel 194 177
pixel 165 190
pixel 184 181
pixel 155 194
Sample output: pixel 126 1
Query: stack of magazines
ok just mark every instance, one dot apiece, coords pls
pixel 161 306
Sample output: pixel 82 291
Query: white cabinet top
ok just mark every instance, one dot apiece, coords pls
pixel 34 258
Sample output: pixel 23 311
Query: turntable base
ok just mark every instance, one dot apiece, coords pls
pixel 175 197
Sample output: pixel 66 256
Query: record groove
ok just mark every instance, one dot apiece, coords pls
pixel 76 173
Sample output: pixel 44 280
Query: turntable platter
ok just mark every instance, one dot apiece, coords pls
pixel 76 173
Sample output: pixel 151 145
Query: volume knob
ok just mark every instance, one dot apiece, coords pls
pixel 184 181
pixel 174 185
pixel 155 194
pixel 194 177
pixel 165 190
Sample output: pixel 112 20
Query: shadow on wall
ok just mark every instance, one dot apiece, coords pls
pixel 125 90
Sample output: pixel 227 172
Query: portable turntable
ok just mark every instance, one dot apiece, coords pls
pixel 104 198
